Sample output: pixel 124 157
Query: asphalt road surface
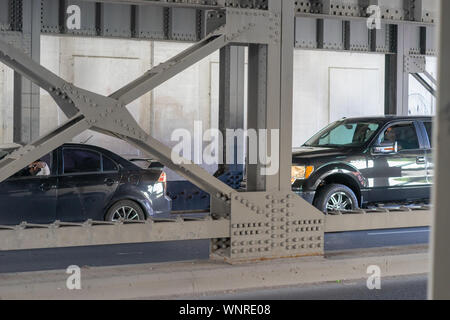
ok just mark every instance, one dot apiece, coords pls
pixel 395 288
pixel 61 258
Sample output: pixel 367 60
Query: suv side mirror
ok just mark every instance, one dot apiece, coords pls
pixel 385 148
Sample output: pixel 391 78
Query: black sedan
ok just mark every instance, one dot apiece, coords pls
pixel 77 182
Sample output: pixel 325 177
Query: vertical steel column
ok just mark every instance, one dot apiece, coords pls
pixel 270 100
pixel 286 93
pixel 257 111
pixel 396 79
pixel 26 94
pixel 231 101
pixel 440 250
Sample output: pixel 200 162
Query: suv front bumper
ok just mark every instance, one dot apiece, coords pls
pixel 308 196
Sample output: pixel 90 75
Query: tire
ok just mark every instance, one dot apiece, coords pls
pixel 125 209
pixel 324 200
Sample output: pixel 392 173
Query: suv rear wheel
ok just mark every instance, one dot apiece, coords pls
pixel 335 197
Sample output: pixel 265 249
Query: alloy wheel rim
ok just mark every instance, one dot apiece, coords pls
pixel 125 213
pixel 339 201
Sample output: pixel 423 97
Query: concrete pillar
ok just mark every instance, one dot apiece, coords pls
pixel 439 284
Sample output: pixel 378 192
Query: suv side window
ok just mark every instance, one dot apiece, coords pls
pixel 429 128
pixel 81 161
pixel 404 134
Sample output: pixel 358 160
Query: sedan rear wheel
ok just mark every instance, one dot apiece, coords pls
pixel 125 210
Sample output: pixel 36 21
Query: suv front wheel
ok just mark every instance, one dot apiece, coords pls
pixel 336 197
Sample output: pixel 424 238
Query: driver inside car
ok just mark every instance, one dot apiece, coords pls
pixel 36 168
pixel 39 168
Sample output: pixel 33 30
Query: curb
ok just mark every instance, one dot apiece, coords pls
pixel 188 279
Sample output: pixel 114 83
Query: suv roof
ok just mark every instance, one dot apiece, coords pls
pixel 388 118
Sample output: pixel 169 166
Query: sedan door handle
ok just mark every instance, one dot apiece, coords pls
pixel 109 182
pixel 46 187
pixel 421 160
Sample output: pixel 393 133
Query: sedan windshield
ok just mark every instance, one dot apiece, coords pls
pixel 344 134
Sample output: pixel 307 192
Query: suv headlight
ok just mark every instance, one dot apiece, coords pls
pixel 301 173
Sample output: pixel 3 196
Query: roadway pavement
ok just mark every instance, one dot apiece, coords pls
pixel 115 255
pixel 393 288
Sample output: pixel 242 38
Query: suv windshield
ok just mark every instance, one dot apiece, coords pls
pixel 344 134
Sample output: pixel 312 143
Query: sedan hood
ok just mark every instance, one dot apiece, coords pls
pixel 305 154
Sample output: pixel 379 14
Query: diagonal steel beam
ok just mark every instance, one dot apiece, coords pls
pixel 22 157
pixel 169 69
pixel 430 77
pixel 424 83
pixel 21 63
pixel 97 112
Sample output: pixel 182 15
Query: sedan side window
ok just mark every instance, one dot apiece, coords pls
pixel 39 168
pixel 81 161
pixel 404 134
pixel 109 165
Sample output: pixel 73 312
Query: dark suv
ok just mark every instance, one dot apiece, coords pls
pixel 358 162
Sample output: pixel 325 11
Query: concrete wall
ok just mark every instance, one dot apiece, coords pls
pixel 6 104
pixel 331 85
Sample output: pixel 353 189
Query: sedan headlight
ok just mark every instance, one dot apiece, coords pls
pixel 301 173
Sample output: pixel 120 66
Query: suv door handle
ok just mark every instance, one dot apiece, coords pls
pixel 421 160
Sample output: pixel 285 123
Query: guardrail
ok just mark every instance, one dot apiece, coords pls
pixel 379 218
pixel 64 234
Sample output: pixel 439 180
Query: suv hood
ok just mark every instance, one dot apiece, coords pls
pixel 304 154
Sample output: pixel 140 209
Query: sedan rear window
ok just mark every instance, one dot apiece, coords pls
pixel 81 161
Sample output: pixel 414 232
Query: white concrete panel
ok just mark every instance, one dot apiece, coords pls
pixel 6 104
pixel 106 75
pixel 102 66
pixel 184 99
pixel 312 88
pixel 360 99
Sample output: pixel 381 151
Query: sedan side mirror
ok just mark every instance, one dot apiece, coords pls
pixel 385 148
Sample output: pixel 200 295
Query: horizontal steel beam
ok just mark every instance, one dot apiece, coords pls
pixel 208 4
pixel 378 220
pixel 30 236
